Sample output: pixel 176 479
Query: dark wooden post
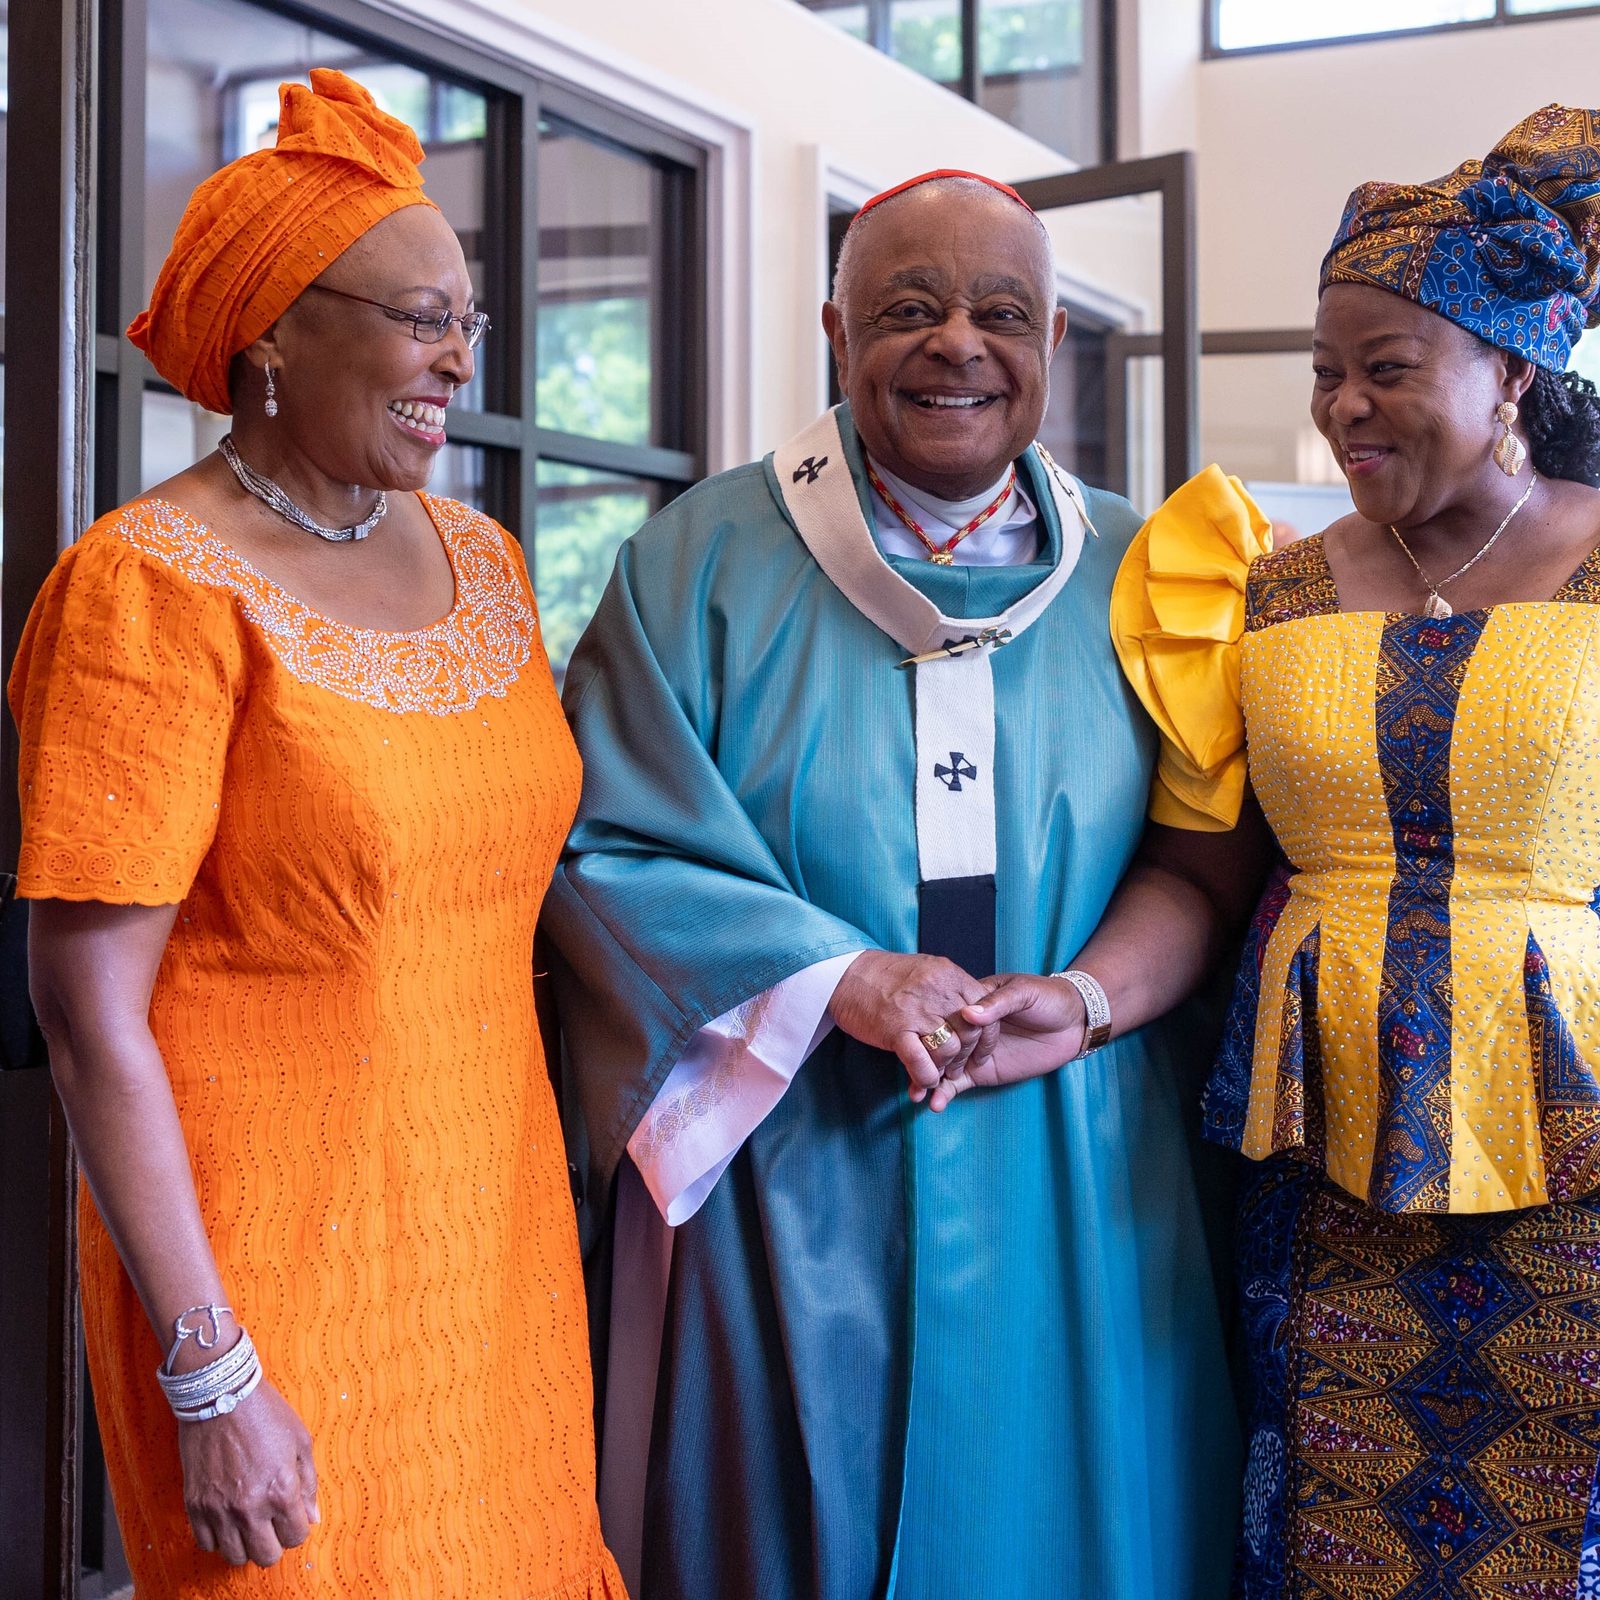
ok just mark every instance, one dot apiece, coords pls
pixel 48 340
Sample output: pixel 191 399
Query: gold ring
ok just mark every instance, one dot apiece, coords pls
pixel 940 1037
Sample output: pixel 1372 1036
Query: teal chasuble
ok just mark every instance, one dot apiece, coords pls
pixel 905 1354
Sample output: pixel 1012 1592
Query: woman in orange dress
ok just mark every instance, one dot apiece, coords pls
pixel 294 778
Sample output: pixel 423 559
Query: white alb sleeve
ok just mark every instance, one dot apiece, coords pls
pixel 736 1069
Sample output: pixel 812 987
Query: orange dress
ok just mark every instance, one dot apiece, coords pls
pixel 357 828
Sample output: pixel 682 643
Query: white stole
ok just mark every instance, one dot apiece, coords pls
pixel 955 737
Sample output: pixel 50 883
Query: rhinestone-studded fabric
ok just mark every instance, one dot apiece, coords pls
pixel 1288 584
pixel 1435 787
pixel 345 1019
pixel 477 649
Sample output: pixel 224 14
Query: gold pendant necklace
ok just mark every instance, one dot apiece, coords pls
pixel 1436 606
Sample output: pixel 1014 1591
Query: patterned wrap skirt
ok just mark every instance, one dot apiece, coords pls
pixel 1425 1397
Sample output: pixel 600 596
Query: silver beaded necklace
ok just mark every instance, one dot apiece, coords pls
pixel 269 494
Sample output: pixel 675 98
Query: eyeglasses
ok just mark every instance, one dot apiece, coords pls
pixel 424 329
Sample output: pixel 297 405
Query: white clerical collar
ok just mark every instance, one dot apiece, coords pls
pixel 953 779
pixel 1009 538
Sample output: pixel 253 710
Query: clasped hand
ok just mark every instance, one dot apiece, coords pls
pixel 248 1483
pixel 1003 1029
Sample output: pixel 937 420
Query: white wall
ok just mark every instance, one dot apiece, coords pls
pixel 1158 86
pixel 1282 138
pixel 811 99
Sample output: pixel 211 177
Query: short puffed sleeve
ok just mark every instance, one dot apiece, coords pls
pixel 124 691
pixel 1177 615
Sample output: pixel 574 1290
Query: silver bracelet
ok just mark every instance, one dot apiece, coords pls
pixel 217 1388
pixel 1097 1009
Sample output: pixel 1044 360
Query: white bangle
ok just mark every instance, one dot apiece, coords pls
pixel 217 1388
pixel 221 1395
pixel 1097 1009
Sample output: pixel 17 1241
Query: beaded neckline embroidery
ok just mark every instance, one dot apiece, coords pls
pixel 1296 582
pixel 478 648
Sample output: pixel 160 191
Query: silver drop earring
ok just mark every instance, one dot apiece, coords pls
pixel 271 407
pixel 1509 451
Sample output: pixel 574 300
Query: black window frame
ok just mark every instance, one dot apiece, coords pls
pixel 1211 50
pixel 971 82
pixel 507 428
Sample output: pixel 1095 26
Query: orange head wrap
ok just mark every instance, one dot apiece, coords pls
pixel 256 234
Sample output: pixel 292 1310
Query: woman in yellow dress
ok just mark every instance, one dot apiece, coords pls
pixel 1413 1051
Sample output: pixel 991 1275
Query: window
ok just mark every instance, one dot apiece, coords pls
pixel 619 279
pixel 1234 25
pixel 1586 357
pixel 585 244
pixel 1045 66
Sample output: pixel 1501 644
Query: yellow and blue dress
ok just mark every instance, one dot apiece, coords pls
pixel 1411 1052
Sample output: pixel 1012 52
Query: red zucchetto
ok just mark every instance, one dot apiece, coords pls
pixel 936 176
pixel 257 233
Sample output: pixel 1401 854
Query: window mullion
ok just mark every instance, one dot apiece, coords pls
pixel 880 32
pixel 128 275
pixel 528 314
pixel 971 67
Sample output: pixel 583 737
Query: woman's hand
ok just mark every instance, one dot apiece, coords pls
pixel 1027 1026
pixel 891 1002
pixel 248 1483
pixel 249 1486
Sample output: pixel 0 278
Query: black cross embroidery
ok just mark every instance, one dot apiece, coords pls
pixel 809 468
pixel 958 769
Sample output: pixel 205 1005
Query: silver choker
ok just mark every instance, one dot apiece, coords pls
pixel 269 494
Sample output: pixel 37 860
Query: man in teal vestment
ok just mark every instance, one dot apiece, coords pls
pixel 854 739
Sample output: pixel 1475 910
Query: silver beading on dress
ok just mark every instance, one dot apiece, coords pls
pixel 270 495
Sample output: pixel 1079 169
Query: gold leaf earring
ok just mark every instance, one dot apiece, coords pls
pixel 1509 450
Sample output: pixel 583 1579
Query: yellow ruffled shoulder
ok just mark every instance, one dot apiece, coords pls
pixel 1177 615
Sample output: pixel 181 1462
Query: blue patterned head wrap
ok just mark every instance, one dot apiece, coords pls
pixel 1507 247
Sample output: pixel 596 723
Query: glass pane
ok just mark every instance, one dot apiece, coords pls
pixel 1243 23
pixel 1104 418
pixel 926 35
pixel 583 516
pixel 211 88
pixel 600 223
pixel 1074 429
pixel 174 434
pixel 1255 422
pixel 1034 55
pixel 848 16
pixel 1030 35
pixel 1144 415
pixel 1529 7
pixel 1586 357
pixel 461 473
